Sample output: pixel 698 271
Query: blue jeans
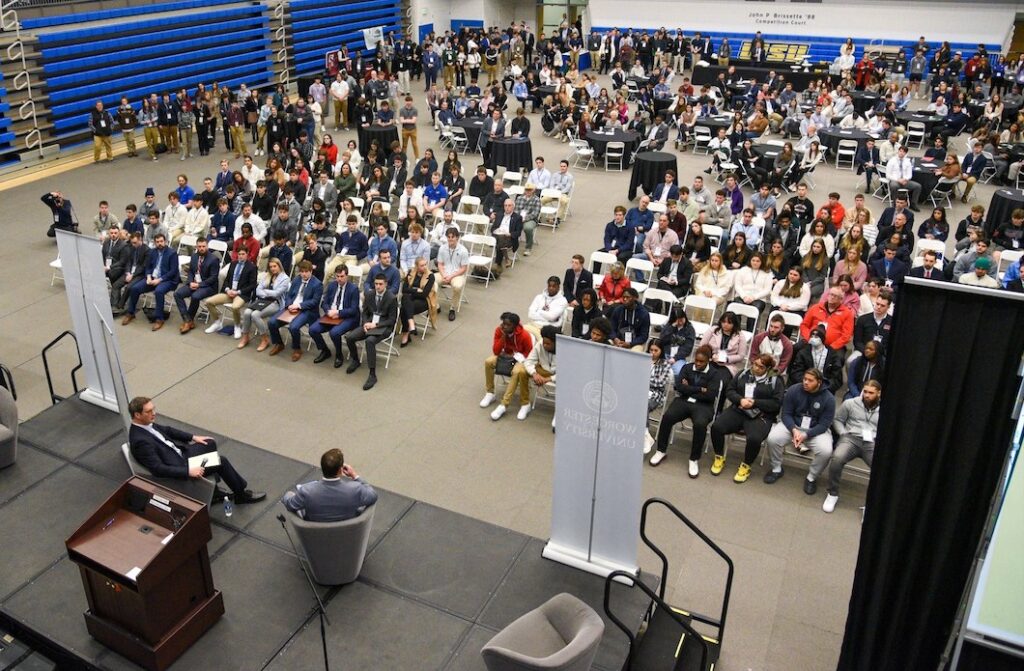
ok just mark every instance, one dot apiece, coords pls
pixel 295 328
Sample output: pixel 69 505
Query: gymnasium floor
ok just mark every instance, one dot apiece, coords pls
pixel 420 432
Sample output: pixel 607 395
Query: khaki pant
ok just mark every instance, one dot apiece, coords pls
pixel 186 142
pixel 410 135
pixel 129 140
pixel 563 205
pixel 340 112
pixel 403 81
pixel 152 135
pixel 522 380
pixel 238 140
pixel 261 134
pixel 101 142
pixel 457 284
pixel 236 304
pixel 449 75
pixel 595 60
pixel 169 134
pixel 336 261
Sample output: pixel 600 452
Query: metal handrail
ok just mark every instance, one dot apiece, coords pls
pixel 22 80
pixel 54 398
pixel 720 622
pixel 636 582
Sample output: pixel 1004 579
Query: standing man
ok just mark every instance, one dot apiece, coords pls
pixel 339 100
pixel 236 122
pixel 101 125
pixel 856 424
pixel 127 120
pixel 408 117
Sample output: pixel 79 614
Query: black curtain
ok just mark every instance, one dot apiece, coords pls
pixel 944 431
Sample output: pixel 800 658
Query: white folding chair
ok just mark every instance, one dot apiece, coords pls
pixel 944 192
pixel 1006 259
pixel 598 260
pixel 714 234
pixel 186 242
pixel 482 249
pixel 460 139
pixel 703 303
pixel 550 200
pixel 667 300
pixel 923 245
pixel 615 152
pixel 643 266
pixel 515 190
pixel 657 207
pixel 58 271
pixel 510 177
pixel 916 132
pixel 477 224
pixel 469 204
pixel 582 152
pixel 745 312
pixel 846 150
pixel 792 321
pixel 702 139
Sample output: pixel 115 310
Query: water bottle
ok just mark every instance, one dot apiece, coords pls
pixel 229 507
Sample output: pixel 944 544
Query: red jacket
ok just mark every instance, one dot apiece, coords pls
pixel 838 324
pixel 520 341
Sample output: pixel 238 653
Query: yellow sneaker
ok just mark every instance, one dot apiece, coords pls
pixel 718 464
pixel 742 473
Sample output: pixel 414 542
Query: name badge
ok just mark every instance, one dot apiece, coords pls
pixel 586 329
pixel 344 251
pixel 691 400
pixel 748 390
pixel 1016 244
pixel 805 422
pixel 56 218
pixel 868 434
pixel 627 337
pixel 103 124
pixel 722 356
pixel 375 320
pixel 888 283
pixel 877 338
pixel 657 250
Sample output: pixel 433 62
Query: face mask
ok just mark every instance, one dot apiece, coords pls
pixel 815 341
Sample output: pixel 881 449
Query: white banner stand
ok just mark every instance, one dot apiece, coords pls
pixel 601 417
pixel 85 282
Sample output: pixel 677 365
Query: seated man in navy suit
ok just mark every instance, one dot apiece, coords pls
pixel 889 269
pixel 161 276
pixel 202 277
pixel 341 301
pixel 303 303
pixel 340 495
pixel 165 451
pixel 379 316
pixel 667 190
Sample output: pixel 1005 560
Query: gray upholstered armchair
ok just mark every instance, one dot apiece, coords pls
pixel 8 428
pixel 200 489
pixel 334 551
pixel 560 635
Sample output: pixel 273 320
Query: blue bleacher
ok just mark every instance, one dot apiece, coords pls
pixel 222 40
pixel 8 150
pixel 107 14
pixel 321 25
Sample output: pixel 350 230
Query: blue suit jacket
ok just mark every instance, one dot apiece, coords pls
pixel 350 299
pixel 673 192
pixel 168 265
pixel 208 275
pixel 972 166
pixel 310 298
pixel 158 457
pixel 224 224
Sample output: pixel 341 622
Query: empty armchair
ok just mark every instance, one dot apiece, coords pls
pixel 8 428
pixel 334 551
pixel 562 634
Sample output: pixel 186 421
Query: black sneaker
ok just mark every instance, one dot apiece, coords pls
pixel 771 477
pixel 451 315
pixel 324 355
pixel 810 487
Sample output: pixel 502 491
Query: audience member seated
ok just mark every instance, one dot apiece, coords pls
pixel 385 267
pixel 856 425
pixel 202 283
pixel 714 280
pixel 379 316
pixel 135 263
pixel 618 236
pixel 980 277
pixel 869 366
pixel 269 300
pixel 418 295
pixel 818 355
pixel 755 396
pixel 699 387
pixel 237 289
pixel 511 345
pixel 889 269
pixel 165 450
pixel 302 309
pixel 808 408
pixel 162 276
pixel 835 315
pixel 548 307
pixel 538 368
pixel 506 227
pixel 452 265
pixel 631 322
pixel 577 280
pixel 340 306
pixel 675 273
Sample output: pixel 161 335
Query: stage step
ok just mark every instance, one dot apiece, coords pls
pixel 665 646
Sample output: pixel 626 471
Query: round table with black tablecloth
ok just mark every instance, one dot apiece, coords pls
pixel 545 92
pixel 661 106
pixel 863 101
pixel 768 153
pixel 600 140
pixel 830 137
pixel 384 135
pixel 472 126
pixel 714 123
pixel 977 108
pixel 649 170
pixel 514 153
pixel 924 174
pixel 1015 149
pixel 929 120
pixel 1004 201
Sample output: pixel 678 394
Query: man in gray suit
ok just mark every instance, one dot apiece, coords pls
pixel 332 498
pixel 380 314
pixel 658 134
pixel 493 129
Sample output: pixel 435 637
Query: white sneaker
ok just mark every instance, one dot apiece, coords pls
pixel 694 468
pixel 524 412
pixel 238 333
pixel 215 326
pixel 648 442
pixel 499 412
pixel 526 252
pixel 552 425
pixel 830 503
pixel 487 400
pixel 657 458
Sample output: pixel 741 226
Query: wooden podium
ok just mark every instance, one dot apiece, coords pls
pixel 146 572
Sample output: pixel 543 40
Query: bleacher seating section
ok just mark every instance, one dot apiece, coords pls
pixel 8 151
pixel 167 47
pixel 819 48
pixel 320 25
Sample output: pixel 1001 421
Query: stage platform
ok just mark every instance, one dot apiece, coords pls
pixel 436 585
